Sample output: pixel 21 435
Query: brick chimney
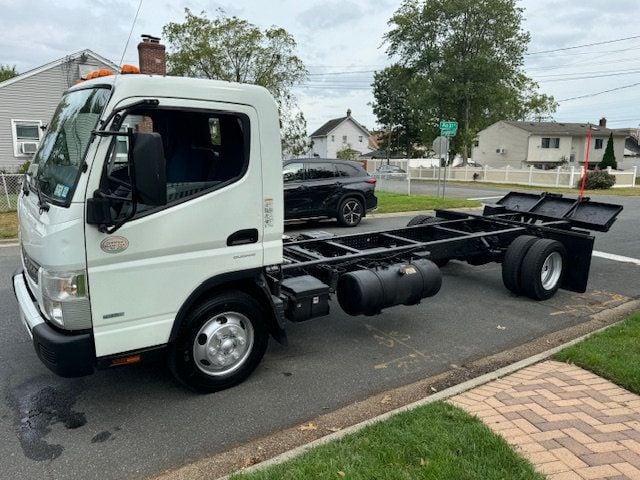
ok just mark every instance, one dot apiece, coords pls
pixel 349 113
pixel 603 122
pixel 151 56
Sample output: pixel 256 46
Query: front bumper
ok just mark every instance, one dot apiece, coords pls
pixel 67 355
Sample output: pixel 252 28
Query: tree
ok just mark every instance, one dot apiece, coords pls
pixel 347 153
pixel 465 61
pixel 609 157
pixel 7 72
pixel 232 49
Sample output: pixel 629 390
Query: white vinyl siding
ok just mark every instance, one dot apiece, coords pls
pixel 33 98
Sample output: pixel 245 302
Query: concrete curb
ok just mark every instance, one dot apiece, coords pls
pixel 618 311
pixel 9 242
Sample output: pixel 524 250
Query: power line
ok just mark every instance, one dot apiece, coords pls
pixel 600 93
pixel 130 32
pixel 583 45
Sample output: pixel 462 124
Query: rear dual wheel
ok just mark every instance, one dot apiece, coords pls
pixel 534 267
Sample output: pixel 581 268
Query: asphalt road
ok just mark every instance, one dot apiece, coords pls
pixel 136 421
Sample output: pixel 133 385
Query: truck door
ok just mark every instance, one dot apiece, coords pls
pixel 140 275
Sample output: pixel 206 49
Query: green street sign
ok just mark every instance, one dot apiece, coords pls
pixel 448 129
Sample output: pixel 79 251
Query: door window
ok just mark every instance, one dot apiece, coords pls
pixel 294 172
pixel 319 171
pixel 204 151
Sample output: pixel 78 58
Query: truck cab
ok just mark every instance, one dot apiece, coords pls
pixel 146 194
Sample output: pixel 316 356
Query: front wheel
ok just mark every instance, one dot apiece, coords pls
pixel 220 343
pixel 350 212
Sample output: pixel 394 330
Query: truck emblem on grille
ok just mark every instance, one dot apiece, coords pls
pixel 114 244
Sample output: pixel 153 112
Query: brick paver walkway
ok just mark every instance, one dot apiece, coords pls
pixel 570 423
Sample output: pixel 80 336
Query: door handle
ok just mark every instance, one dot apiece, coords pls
pixel 243 237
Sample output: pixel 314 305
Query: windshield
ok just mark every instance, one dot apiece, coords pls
pixel 57 163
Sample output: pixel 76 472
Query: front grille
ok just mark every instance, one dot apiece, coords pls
pixel 30 266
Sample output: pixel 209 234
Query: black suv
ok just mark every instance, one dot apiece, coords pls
pixel 327 188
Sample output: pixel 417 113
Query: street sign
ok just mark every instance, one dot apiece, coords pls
pixel 441 146
pixel 448 128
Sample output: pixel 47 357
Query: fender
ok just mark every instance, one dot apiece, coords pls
pixel 251 281
pixel 353 193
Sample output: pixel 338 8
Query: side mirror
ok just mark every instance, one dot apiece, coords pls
pixel 99 211
pixel 147 156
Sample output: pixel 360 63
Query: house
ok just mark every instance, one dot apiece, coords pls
pixel 28 101
pixel 338 134
pixel 543 144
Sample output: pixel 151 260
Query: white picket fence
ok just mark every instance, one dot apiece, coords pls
pixel 559 177
pixel 9 189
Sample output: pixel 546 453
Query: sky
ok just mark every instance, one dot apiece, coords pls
pixel 341 43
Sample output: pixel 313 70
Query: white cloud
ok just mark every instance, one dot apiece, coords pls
pixel 335 36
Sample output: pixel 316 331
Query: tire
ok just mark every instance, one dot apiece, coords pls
pixel 542 269
pixel 350 212
pixel 232 324
pixel 419 220
pixel 512 262
pixel 424 220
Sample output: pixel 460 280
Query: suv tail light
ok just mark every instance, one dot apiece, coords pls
pixel 371 180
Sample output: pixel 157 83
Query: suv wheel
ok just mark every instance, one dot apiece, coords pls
pixel 350 212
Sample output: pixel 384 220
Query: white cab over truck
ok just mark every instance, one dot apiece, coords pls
pixel 151 223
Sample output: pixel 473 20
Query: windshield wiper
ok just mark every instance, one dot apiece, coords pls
pixel 42 203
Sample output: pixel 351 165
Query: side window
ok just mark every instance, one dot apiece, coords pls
pixel 319 171
pixel 294 172
pixel 203 150
pixel 346 170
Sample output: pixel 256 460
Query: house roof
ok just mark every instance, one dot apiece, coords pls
pixel 58 62
pixel 331 125
pixel 562 128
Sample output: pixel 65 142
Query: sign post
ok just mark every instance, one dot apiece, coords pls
pixel 448 129
pixel 440 145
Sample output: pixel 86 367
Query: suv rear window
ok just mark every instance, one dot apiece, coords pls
pixel 345 170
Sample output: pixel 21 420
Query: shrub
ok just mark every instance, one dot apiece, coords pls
pixel 609 158
pixel 598 180
pixel 24 167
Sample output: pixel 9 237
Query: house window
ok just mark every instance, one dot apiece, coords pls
pixel 476 143
pixel 26 137
pixel 550 142
pixel 598 144
pixel 344 139
pixel 360 138
pixel 333 138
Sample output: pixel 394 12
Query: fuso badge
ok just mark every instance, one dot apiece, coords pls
pixel 114 244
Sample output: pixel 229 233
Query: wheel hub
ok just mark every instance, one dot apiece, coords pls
pixel 223 344
pixel 351 211
pixel 551 271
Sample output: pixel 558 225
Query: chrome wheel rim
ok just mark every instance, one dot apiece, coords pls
pixel 551 271
pixel 352 212
pixel 223 344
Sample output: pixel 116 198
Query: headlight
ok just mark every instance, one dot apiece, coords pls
pixel 65 299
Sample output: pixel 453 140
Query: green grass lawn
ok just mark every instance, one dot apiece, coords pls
pixel 623 191
pixel 437 441
pixel 396 202
pixel 8 224
pixel 613 354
